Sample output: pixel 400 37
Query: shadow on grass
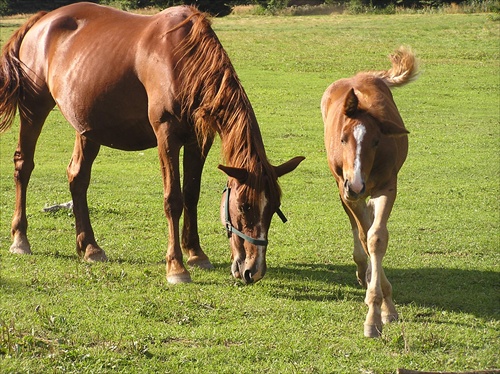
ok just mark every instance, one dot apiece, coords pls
pixel 455 290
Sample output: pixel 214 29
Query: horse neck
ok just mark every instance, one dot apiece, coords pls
pixel 242 143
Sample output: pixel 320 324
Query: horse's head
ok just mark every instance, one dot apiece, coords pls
pixel 361 135
pixel 248 203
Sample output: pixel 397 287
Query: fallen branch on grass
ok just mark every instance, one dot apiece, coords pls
pixel 55 208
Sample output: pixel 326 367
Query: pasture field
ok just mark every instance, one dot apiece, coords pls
pixel 61 315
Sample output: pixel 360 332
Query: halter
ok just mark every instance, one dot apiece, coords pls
pixel 232 230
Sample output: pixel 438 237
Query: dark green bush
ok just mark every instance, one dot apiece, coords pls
pixel 223 7
pixel 214 7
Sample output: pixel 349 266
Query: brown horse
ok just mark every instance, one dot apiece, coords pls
pixel 133 82
pixel 367 144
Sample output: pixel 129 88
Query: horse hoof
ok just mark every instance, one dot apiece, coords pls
pixel 202 263
pixel 95 256
pixel 388 318
pixel 373 331
pixel 20 250
pixel 20 245
pixel 179 278
pixel 361 281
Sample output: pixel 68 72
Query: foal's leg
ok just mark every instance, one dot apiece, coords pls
pixel 389 313
pixel 168 152
pixel 78 171
pixel 359 254
pixel 379 292
pixel 194 159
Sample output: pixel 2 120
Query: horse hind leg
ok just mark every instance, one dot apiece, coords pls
pixel 194 160
pixel 79 169
pixel 23 167
pixel 389 312
pixel 370 215
pixel 32 117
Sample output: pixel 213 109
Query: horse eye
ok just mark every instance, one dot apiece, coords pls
pixel 375 143
pixel 244 208
pixel 343 140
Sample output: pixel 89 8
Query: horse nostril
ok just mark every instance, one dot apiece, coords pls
pixel 362 189
pixel 247 276
pixel 351 192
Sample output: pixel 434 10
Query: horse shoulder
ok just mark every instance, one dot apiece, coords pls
pixel 389 158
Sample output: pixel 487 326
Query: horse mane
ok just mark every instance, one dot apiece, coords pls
pixel 214 101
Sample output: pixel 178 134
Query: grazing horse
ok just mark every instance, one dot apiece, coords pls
pixel 133 82
pixel 367 144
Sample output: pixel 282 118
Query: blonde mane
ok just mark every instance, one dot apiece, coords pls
pixel 214 101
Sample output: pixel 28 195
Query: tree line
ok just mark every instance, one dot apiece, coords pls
pixel 214 7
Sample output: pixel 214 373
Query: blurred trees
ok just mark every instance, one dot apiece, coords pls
pixel 217 7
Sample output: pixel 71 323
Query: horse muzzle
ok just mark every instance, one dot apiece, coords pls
pixel 248 273
pixel 354 191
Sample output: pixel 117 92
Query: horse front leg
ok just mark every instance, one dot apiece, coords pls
pixel 193 162
pixel 381 308
pixel 79 169
pixel 359 253
pixel 168 152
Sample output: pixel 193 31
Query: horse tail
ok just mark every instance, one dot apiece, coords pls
pixel 404 68
pixel 10 74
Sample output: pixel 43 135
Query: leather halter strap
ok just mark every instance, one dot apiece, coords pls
pixel 232 230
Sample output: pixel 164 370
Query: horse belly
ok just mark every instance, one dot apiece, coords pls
pixel 117 119
pixel 126 137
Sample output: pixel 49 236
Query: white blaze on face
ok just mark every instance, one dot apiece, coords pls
pixel 357 181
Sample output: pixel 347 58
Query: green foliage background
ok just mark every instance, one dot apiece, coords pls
pixel 30 6
pixel 223 7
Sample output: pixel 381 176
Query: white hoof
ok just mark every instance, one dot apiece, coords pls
pixel 373 331
pixel 202 264
pixel 21 246
pixel 95 255
pixel 179 278
pixel 388 318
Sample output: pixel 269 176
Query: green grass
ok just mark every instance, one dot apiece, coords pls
pixel 59 314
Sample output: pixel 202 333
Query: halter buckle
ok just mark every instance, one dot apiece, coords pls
pixel 229 229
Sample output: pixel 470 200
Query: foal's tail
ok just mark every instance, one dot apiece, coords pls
pixel 404 68
pixel 10 74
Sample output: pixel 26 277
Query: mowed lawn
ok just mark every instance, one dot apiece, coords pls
pixel 59 314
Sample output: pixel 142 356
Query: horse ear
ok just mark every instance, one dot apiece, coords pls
pixel 351 103
pixel 390 128
pixel 238 173
pixel 288 166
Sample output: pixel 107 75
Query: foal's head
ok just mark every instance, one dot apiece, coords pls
pixel 362 134
pixel 248 204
